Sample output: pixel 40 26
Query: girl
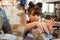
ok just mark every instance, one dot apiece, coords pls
pixel 34 13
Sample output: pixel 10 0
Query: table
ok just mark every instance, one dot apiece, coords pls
pixel 7 37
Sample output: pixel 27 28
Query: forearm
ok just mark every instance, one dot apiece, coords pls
pixel 29 26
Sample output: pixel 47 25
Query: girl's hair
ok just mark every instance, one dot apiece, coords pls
pixel 35 8
pixel 39 4
pixel 31 5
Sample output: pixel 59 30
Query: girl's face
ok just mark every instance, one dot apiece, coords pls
pixel 33 17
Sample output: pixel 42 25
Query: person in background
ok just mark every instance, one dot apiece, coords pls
pixel 6 26
pixel 23 3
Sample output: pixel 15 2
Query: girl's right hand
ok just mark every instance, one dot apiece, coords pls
pixel 43 27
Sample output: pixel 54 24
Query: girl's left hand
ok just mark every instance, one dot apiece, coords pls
pixel 50 23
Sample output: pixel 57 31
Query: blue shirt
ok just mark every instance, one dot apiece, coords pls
pixel 23 2
pixel 2 13
pixel 6 26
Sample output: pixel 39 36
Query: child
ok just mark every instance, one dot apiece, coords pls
pixel 34 13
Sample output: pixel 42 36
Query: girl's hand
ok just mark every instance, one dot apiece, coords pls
pixel 50 23
pixel 42 27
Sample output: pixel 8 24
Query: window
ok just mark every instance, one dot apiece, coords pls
pixel 48 8
pixel 45 8
pixel 51 8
